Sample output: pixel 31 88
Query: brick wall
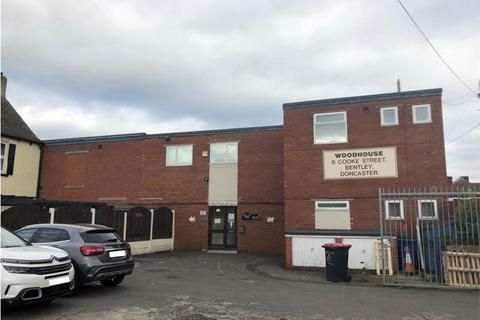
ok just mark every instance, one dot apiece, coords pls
pixel 420 159
pixel 134 172
pixel 261 236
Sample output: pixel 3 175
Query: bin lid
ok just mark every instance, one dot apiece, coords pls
pixel 336 245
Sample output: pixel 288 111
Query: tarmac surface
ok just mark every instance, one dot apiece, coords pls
pixel 199 286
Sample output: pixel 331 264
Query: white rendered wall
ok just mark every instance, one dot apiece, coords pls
pixel 307 251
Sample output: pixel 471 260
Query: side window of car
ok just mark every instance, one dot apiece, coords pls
pixel 26 234
pixel 51 235
pixel 63 236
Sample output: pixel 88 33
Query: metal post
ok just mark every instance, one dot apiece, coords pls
pixel 173 230
pixel 380 213
pixel 93 210
pixel 125 226
pixel 152 211
pixel 52 214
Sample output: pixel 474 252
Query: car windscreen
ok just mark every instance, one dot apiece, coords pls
pixel 10 240
pixel 100 236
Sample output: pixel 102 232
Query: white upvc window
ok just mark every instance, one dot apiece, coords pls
pixel 332 205
pixel 427 209
pixel 421 113
pixel 389 116
pixel 330 127
pixel 223 152
pixel 4 158
pixel 394 209
pixel 179 155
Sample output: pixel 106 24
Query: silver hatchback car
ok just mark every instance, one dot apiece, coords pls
pixel 97 252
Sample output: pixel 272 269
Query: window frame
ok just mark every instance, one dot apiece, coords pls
pixel 414 113
pixel 177 164
pixel 4 157
pixel 387 209
pixel 382 118
pixel 227 144
pixel 435 209
pixel 345 121
pixel 347 207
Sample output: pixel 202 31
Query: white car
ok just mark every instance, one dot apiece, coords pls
pixel 32 273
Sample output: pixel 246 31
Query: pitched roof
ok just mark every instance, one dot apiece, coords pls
pixel 13 125
pixel 463 182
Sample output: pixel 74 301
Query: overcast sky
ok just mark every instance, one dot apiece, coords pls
pixel 80 68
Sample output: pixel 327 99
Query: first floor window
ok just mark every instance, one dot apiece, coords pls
pixel 3 157
pixel 421 113
pixel 389 116
pixel 427 209
pixel 179 155
pixel 224 152
pixel 330 127
pixel 394 209
pixel 7 158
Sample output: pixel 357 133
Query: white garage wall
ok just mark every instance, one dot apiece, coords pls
pixel 307 251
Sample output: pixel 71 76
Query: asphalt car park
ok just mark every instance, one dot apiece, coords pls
pixel 194 285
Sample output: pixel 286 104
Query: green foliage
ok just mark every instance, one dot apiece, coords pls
pixel 467 222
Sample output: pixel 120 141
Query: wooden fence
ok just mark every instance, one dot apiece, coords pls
pixel 146 229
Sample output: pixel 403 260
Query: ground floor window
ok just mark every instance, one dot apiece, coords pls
pixel 332 214
pixel 427 209
pixel 394 209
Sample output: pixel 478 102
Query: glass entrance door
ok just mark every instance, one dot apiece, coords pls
pixel 222 227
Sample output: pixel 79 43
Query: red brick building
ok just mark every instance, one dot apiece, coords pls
pixel 252 188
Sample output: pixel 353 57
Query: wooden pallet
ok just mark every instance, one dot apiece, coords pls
pixel 387 255
pixel 462 269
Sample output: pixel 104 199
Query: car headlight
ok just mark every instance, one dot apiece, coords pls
pixel 14 269
pixel 14 261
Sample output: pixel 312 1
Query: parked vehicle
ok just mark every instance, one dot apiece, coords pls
pixel 97 252
pixel 32 273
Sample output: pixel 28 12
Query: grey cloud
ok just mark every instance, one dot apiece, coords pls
pixel 229 63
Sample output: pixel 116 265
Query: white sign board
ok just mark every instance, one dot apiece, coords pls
pixel 360 163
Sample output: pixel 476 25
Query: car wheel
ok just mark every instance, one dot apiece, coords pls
pixel 112 281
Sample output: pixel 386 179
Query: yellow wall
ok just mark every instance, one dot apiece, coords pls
pixel 23 181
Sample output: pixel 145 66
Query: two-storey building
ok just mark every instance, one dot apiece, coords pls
pixel 277 190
